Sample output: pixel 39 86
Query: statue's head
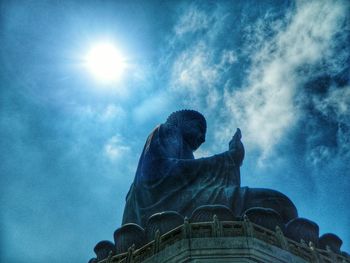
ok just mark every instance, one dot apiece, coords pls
pixel 191 124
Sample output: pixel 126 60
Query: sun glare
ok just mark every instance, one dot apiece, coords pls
pixel 105 62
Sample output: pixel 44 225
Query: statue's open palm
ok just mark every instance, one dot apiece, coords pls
pixel 236 146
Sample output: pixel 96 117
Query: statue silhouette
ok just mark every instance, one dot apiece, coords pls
pixel 168 178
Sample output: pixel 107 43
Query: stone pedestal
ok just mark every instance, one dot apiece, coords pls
pixel 223 249
pixel 225 241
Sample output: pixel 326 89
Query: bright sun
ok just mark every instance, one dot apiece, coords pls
pixel 105 62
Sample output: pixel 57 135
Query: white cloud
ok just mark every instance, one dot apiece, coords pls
pixel 193 69
pixel 266 107
pixel 193 20
pixel 336 107
pixel 318 154
pixel 228 57
pixel 197 73
pixel 115 148
pixel 201 152
pixel 111 112
pixel 198 68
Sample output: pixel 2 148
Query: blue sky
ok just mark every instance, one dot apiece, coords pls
pixel 70 144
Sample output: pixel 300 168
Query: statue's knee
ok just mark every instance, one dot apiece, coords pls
pixel 268 198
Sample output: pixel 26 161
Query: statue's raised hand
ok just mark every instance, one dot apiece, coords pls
pixel 236 147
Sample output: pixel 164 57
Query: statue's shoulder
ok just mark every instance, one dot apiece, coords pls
pixel 160 135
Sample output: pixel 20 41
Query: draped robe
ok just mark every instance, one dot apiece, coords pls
pixel 168 178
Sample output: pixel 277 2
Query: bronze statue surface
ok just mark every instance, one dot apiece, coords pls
pixel 168 178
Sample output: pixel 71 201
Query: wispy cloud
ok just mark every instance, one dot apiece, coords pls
pixel 111 112
pixel 267 105
pixel 318 155
pixel 108 113
pixel 197 70
pixel 192 21
pixel 115 148
pixel 198 67
pixel 336 108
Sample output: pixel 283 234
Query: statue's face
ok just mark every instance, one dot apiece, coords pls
pixel 193 133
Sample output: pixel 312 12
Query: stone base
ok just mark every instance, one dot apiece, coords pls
pixel 223 249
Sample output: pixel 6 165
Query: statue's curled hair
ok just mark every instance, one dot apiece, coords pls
pixel 178 117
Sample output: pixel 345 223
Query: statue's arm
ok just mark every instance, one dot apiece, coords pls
pixel 193 167
pixel 233 157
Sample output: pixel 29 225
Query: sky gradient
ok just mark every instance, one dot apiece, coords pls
pixel 279 70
